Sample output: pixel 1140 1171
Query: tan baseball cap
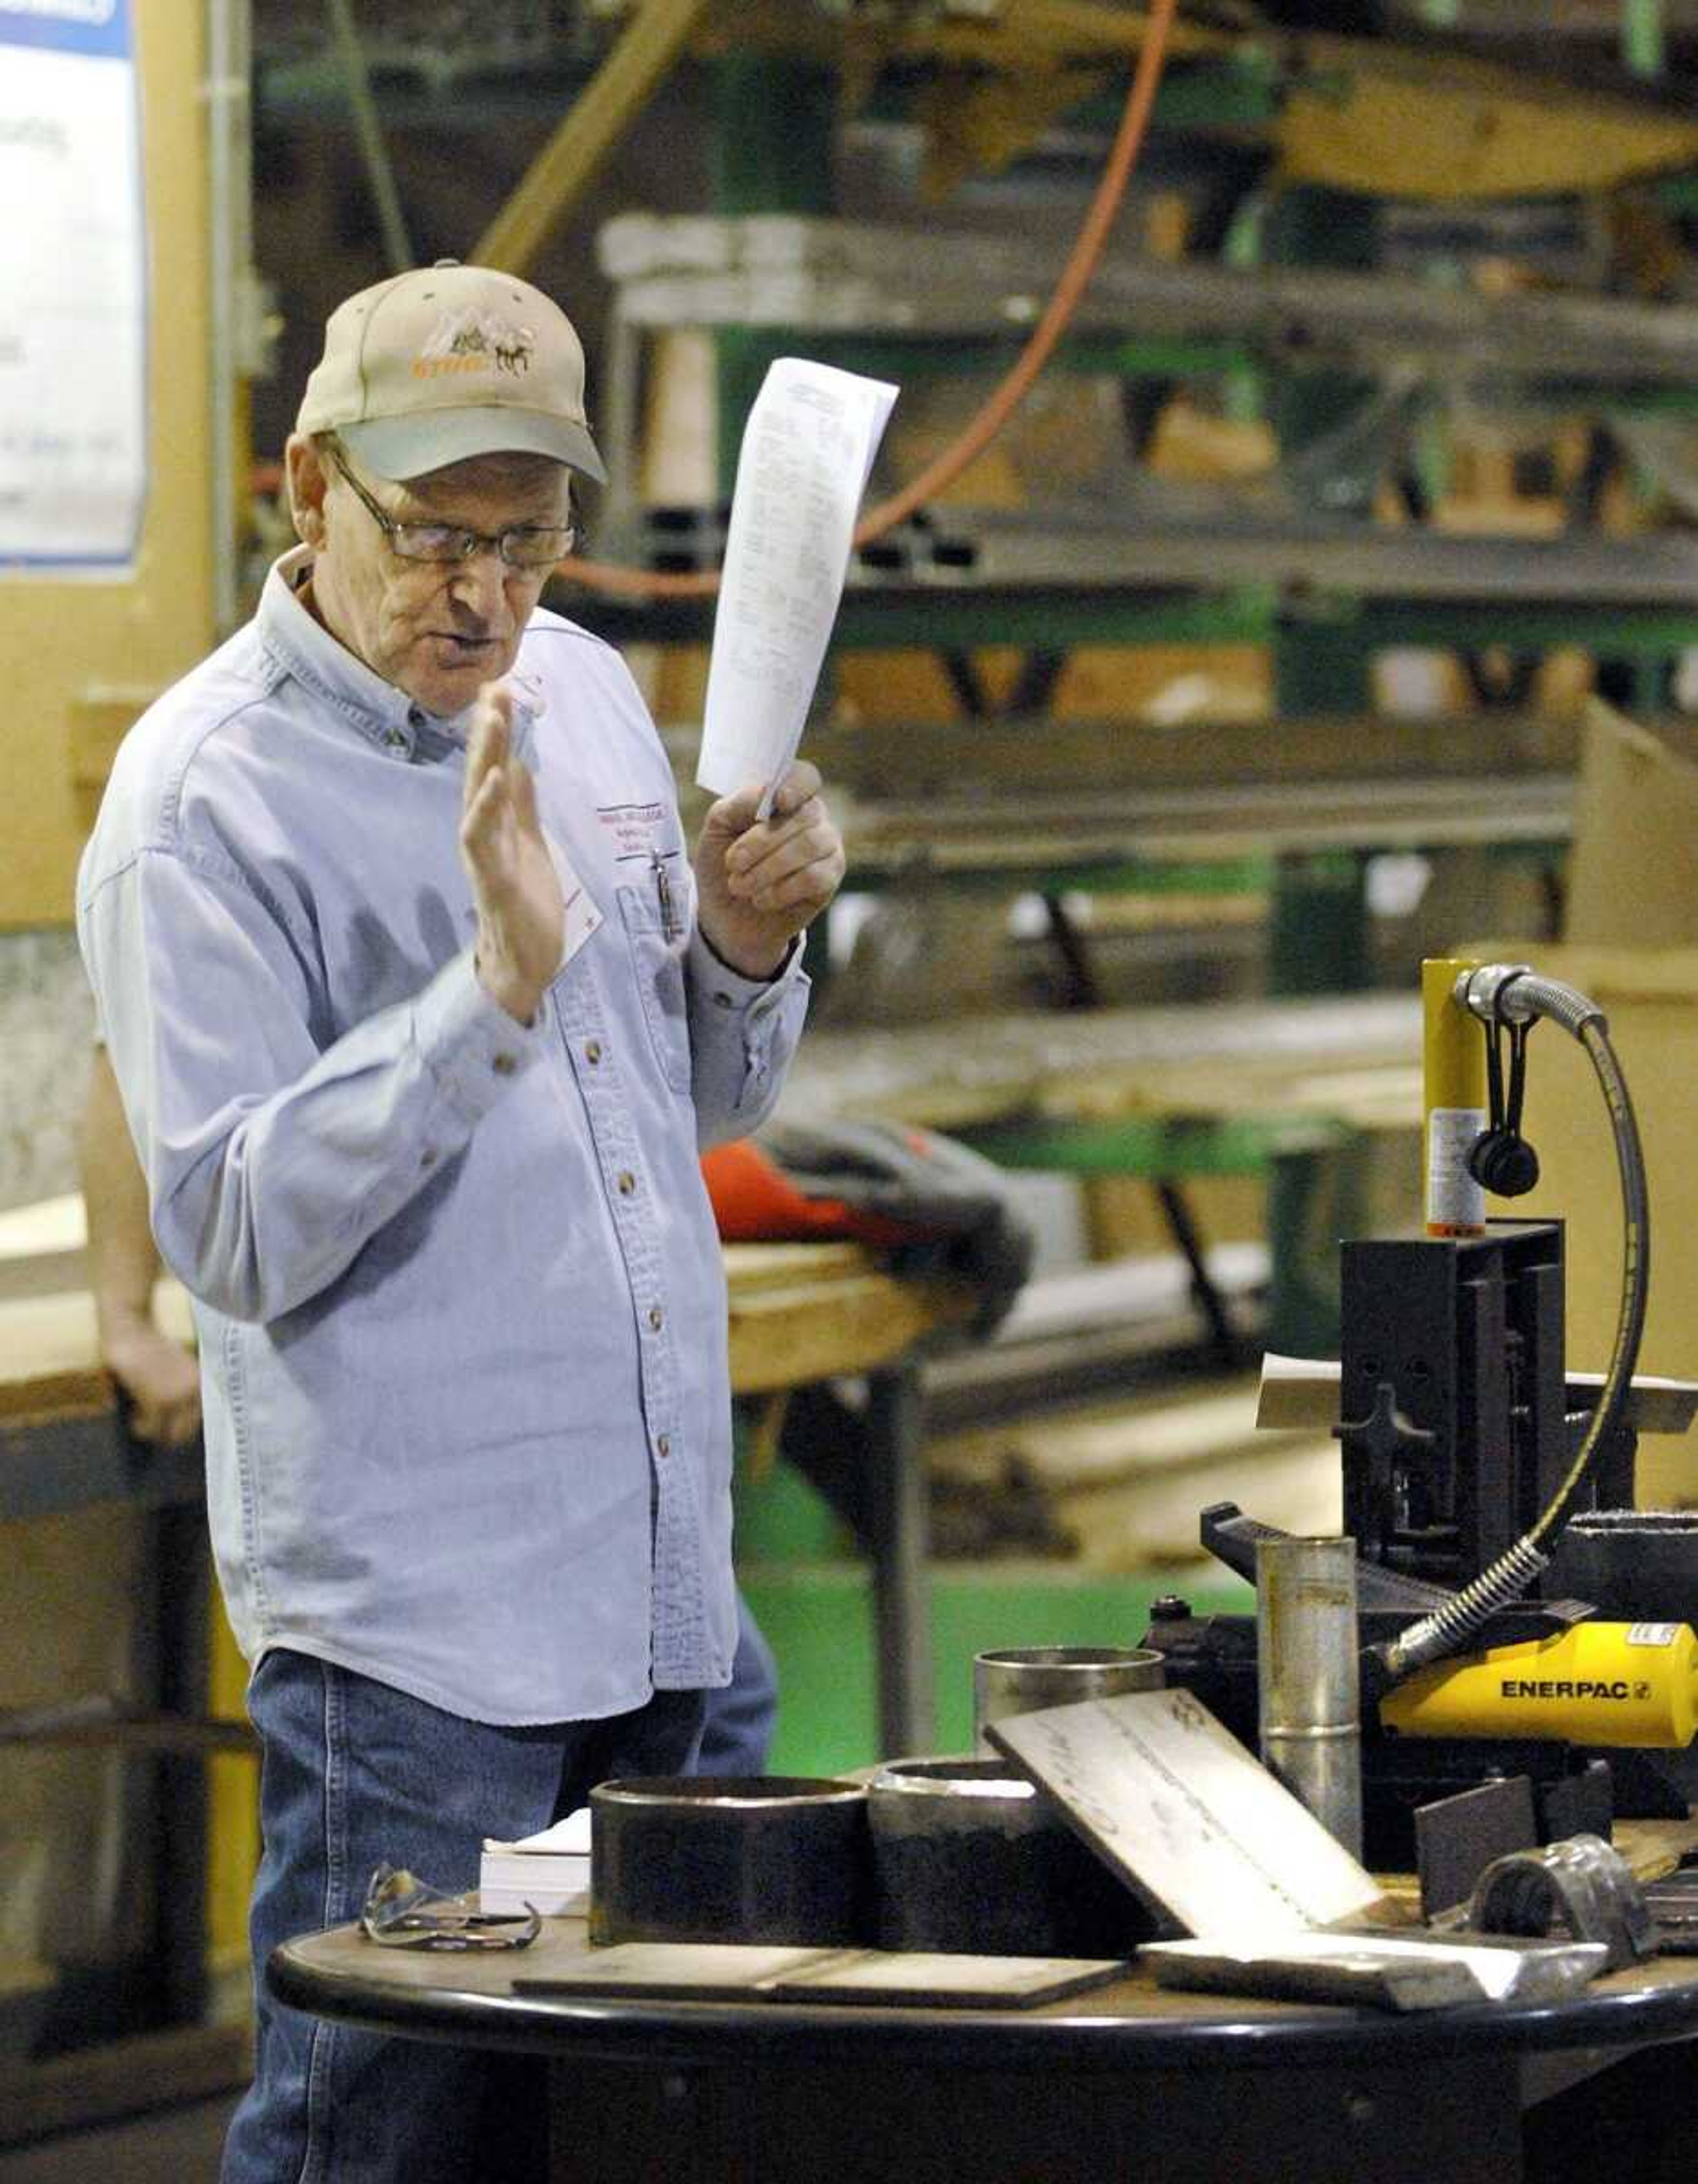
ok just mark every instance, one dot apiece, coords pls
pixel 449 361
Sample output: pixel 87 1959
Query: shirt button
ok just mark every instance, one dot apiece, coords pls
pixel 721 1000
pixel 663 1444
pixel 428 1158
pixel 657 1319
pixel 593 1052
pixel 503 1065
pixel 627 1183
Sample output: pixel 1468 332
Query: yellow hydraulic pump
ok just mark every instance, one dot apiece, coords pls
pixel 1624 1684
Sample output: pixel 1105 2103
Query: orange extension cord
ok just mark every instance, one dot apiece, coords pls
pixel 978 433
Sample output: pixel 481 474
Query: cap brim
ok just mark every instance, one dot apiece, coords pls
pixel 402 447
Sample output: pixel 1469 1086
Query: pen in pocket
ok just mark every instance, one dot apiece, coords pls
pixel 663 894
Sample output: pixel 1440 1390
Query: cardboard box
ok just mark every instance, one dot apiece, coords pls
pixel 1650 999
pixel 1633 871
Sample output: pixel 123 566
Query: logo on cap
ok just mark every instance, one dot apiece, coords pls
pixel 469 340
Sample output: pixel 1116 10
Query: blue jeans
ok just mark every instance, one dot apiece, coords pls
pixel 736 1734
pixel 355 1773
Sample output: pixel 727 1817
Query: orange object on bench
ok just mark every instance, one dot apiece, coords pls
pixel 755 1202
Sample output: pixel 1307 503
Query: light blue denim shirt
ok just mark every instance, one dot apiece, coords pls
pixel 459 1291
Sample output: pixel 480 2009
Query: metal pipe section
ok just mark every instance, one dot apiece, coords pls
pixel 811 274
pixel 1516 993
pixel 1029 1678
pixel 1309 1683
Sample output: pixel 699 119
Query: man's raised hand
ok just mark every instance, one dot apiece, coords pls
pixel 516 890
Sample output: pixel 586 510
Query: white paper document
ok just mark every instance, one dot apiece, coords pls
pixel 549 1872
pixel 570 1837
pixel 807 452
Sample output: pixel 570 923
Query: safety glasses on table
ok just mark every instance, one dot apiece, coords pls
pixel 402 1911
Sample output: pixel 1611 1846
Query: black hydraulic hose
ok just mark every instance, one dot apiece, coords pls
pixel 1515 994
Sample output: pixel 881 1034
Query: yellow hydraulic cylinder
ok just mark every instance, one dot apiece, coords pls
pixel 1454 1072
pixel 1628 1684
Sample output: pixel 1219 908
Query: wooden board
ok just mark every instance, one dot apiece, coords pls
pixel 43 1247
pixel 49 1360
pixel 803 1311
pixel 1303 1391
pixel 1126 1476
pixel 798 1312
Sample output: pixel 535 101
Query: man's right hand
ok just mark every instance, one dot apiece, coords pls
pixel 160 1378
pixel 520 917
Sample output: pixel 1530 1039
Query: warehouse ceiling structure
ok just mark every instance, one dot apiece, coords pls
pixel 1384 345
pixel 1530 166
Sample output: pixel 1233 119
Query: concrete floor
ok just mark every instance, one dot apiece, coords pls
pixel 173 2146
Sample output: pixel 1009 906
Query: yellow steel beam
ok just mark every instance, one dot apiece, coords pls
pixel 657 33
pixel 1478 126
pixel 1428 137
pixel 1081 32
pixel 1363 113
pixel 1048 32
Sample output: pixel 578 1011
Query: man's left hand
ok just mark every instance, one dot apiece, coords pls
pixel 759 882
pixel 159 1376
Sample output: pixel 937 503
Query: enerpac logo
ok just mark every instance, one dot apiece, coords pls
pixel 472 341
pixel 1570 1687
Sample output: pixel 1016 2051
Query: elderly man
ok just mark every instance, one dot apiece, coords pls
pixel 420 1013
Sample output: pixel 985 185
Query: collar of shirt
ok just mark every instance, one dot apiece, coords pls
pixel 375 708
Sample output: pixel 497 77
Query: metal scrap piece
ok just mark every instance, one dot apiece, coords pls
pixel 1581 1886
pixel 1673 1903
pixel 1402 1972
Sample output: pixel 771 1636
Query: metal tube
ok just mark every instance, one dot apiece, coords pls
pixel 1028 1679
pixel 811 273
pixel 1310 1689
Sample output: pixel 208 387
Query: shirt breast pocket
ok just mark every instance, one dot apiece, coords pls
pixel 658 961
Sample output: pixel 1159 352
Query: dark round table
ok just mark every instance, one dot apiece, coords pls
pixel 1125 2081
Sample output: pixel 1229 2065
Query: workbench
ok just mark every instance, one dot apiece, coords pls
pixel 1125 2081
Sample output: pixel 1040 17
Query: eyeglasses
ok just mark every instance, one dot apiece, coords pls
pixel 531 547
pixel 402 1911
